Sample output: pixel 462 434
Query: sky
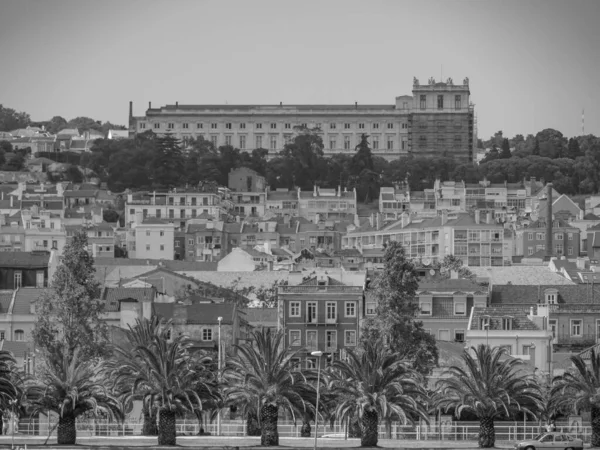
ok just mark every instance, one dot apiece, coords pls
pixel 532 64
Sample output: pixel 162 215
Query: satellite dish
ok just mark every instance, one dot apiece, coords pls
pixel 431 272
pixel 426 261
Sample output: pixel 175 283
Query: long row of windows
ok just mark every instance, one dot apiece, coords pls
pixel 182 213
pixel 331 340
pixel 444 335
pixel 559 249
pixel 440 102
pixel 460 308
pixel 19 335
pixel 275 125
pixel 330 307
pixel 542 236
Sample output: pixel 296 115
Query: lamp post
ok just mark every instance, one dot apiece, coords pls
pixel 220 319
pixel 318 354
pixel 13 403
pixel 487 329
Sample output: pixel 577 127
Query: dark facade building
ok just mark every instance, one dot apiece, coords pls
pixel 23 269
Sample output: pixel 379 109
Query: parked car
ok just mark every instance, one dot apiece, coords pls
pixel 553 440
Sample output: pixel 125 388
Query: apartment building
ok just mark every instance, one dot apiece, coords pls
pixel 437 119
pixel 565 239
pixel 478 241
pixel 44 230
pixel 154 239
pixel 177 206
pixel 327 204
pixel 206 241
pixel 101 238
pixel 282 202
pixel 321 311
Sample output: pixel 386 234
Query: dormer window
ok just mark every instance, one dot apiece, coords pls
pixel 507 323
pixel 551 299
pixel 485 323
pixel 425 308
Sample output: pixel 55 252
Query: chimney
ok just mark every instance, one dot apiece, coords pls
pixel 356 220
pixel 280 103
pixel 477 216
pixel 176 105
pixel 130 109
pixel 356 105
pixel 444 217
pixel 315 191
pixel 149 105
pixel 372 220
pixel 12 201
pixel 339 193
pixel 549 221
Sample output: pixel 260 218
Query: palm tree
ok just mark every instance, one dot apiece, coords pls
pixel 124 363
pixel 9 383
pixel 580 389
pixel 262 376
pixel 70 387
pixel 491 385
pixel 374 383
pixel 163 375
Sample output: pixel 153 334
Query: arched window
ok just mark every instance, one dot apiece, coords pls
pixel 19 335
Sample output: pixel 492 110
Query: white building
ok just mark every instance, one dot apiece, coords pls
pixel 154 239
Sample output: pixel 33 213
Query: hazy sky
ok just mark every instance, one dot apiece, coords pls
pixel 531 64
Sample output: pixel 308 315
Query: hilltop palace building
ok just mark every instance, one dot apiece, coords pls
pixel 438 119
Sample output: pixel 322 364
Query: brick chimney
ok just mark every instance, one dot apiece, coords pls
pixel 444 217
pixel 549 221
pixel 477 216
pixel 130 109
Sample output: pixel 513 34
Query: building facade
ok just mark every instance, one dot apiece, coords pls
pixel 437 119
pixel 155 239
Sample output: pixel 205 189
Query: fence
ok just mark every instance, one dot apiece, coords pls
pixel 450 431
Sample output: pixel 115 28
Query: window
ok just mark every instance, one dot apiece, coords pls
pixel 530 251
pixel 19 335
pixel 213 126
pixel 346 126
pixel 258 141
pixel 540 236
pixel 332 143
pixel 177 244
pixel 425 308
pixel 530 236
pixel 558 249
pixel 331 312
pixel 228 126
pixel 551 298
pixel 527 350
pixel 185 125
pixel 214 141
pixel 1 335
pixel 330 340
pixel 162 233
pixel 390 143
pixel 273 142
pixel 375 143
pixel 361 126
pixel 440 101
pixel 350 338
pixel 294 309
pixel 375 126
pixel 459 335
pixel 147 247
pixel 346 142
pixel 350 309
pixel 485 323
pixel 311 312
pixel 460 309
pixel 570 236
pixel 207 334
pixel 242 142
pixel 273 126
pixel 390 126
pixel 191 241
pixel 171 125
pixel 295 338
pixel 18 279
pixel 559 236
pixel 162 247
pixel 288 126
pixel 507 323
pixel 576 327
pixel 142 125
pixel 259 126
pixel 157 125
pixel 199 126
pixel 311 340
pixel 311 363
pixel 457 102
pixel 570 251
pixel 423 101
pixel 370 306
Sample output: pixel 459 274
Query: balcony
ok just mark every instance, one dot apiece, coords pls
pixel 311 289
pixel 331 348
pixel 321 321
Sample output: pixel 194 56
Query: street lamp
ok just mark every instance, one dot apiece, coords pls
pixel 13 403
pixel 487 329
pixel 318 354
pixel 220 319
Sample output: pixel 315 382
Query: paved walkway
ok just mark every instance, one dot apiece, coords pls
pixel 215 442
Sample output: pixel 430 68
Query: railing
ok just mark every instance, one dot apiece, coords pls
pixel 447 431
pixel 302 289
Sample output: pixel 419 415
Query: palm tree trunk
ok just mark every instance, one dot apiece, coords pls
pixel 166 427
pixel 305 429
pixel 1 424
pixel 268 418
pixel 252 427
pixel 595 426
pixel 487 433
pixel 369 425
pixel 388 428
pixel 149 427
pixel 67 431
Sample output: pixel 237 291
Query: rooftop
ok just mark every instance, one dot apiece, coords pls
pixel 520 275
pixel 198 313
pixel 24 260
pixel 519 317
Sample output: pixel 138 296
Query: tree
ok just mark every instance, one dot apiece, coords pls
pixel 374 384
pixel 68 314
pixel 70 387
pixel 263 373
pixel 536 148
pixel 167 165
pixel 6 146
pixel 492 155
pixel 15 163
pixel 306 158
pixel 73 174
pixel 11 120
pixel 161 372
pixel 578 389
pixel 84 124
pixel 362 159
pixel 505 153
pixel 573 150
pixel 491 386
pixel 10 383
pixel 395 291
